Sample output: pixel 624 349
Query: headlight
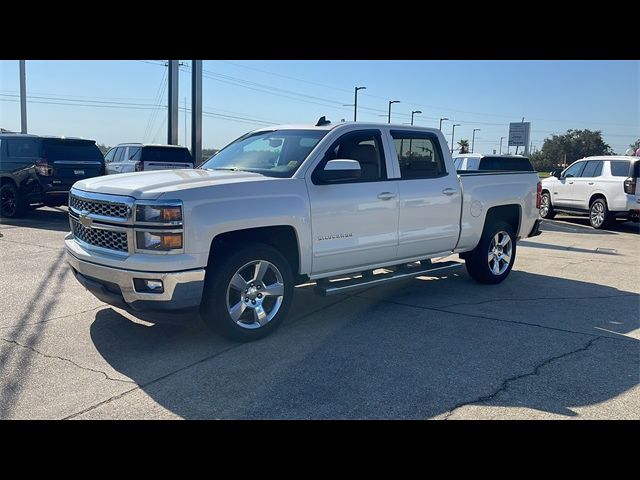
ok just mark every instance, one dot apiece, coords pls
pixel 159 241
pixel 159 214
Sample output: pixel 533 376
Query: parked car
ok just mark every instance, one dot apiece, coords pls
pixel 37 170
pixel 476 161
pixel 137 157
pixel 287 205
pixel 604 188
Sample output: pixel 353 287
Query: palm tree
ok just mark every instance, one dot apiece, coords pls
pixel 464 146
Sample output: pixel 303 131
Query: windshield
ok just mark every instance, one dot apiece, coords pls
pixel 276 153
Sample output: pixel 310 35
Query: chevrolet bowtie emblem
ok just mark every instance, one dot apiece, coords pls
pixel 85 221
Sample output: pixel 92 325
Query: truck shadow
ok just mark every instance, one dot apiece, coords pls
pixel 49 218
pixel 568 224
pixel 415 349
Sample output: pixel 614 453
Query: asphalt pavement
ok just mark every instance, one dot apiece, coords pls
pixel 558 339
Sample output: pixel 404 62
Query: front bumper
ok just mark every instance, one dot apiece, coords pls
pixel 181 296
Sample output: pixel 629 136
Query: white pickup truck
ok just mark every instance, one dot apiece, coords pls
pixel 348 206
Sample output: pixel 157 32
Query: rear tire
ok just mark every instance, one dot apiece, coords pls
pixel 492 259
pixel 599 216
pixel 546 209
pixel 11 205
pixel 247 292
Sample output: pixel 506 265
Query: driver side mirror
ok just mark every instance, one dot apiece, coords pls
pixel 557 173
pixel 339 170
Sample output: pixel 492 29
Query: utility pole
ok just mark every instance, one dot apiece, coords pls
pixel 23 97
pixel 355 102
pixel 452 133
pixel 473 138
pixel 185 122
pixel 196 111
pixel 440 127
pixel 172 123
pixel 501 138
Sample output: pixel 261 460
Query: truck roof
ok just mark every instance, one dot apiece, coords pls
pixel 611 157
pixel 331 126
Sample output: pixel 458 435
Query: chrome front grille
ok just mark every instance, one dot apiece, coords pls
pixel 101 237
pixel 100 207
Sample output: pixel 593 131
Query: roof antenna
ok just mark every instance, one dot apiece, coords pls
pixel 322 121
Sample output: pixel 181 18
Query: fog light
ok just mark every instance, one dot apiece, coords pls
pixel 144 285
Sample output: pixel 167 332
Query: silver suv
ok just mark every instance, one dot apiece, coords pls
pixel 136 157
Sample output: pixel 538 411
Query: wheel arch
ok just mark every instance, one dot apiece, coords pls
pixel 597 195
pixel 283 238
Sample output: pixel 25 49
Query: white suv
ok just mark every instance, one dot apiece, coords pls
pixel 602 187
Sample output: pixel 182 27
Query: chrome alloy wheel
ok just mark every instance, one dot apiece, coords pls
pixel 255 294
pixel 500 250
pixel 544 207
pixel 597 214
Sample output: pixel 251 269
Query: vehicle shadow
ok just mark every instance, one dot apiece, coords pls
pixel 46 218
pixel 415 349
pixel 569 224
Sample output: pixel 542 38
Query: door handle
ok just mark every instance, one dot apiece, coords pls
pixel 386 195
pixel 590 183
pixel 570 183
pixel 449 191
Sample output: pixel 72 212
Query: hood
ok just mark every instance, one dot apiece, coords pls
pixel 150 185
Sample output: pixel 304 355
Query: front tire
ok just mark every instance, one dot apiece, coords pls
pixel 248 293
pixel 546 209
pixel 599 216
pixel 11 205
pixel 491 261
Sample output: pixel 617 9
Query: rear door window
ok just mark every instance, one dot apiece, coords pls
pixel 134 153
pixel 419 155
pixel 119 154
pixel 23 147
pixel 593 169
pixel 620 168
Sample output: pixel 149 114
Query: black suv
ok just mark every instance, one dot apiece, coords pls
pixel 37 170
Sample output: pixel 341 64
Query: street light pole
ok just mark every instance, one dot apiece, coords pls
pixel 440 127
pixel 23 98
pixel 389 116
pixel 452 133
pixel 355 102
pixel 501 138
pixel 473 138
pixel 412 113
pixel 411 139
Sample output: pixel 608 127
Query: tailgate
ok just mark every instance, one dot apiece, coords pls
pixel 76 169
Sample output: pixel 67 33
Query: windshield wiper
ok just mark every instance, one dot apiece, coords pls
pixel 230 169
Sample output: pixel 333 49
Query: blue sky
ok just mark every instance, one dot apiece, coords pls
pixel 113 101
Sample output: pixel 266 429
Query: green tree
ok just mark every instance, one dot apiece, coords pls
pixel 464 146
pixel 572 146
pixel 635 145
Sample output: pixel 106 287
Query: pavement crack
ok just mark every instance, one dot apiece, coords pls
pixel 65 360
pixel 536 371
pixel 52 318
pixel 198 362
